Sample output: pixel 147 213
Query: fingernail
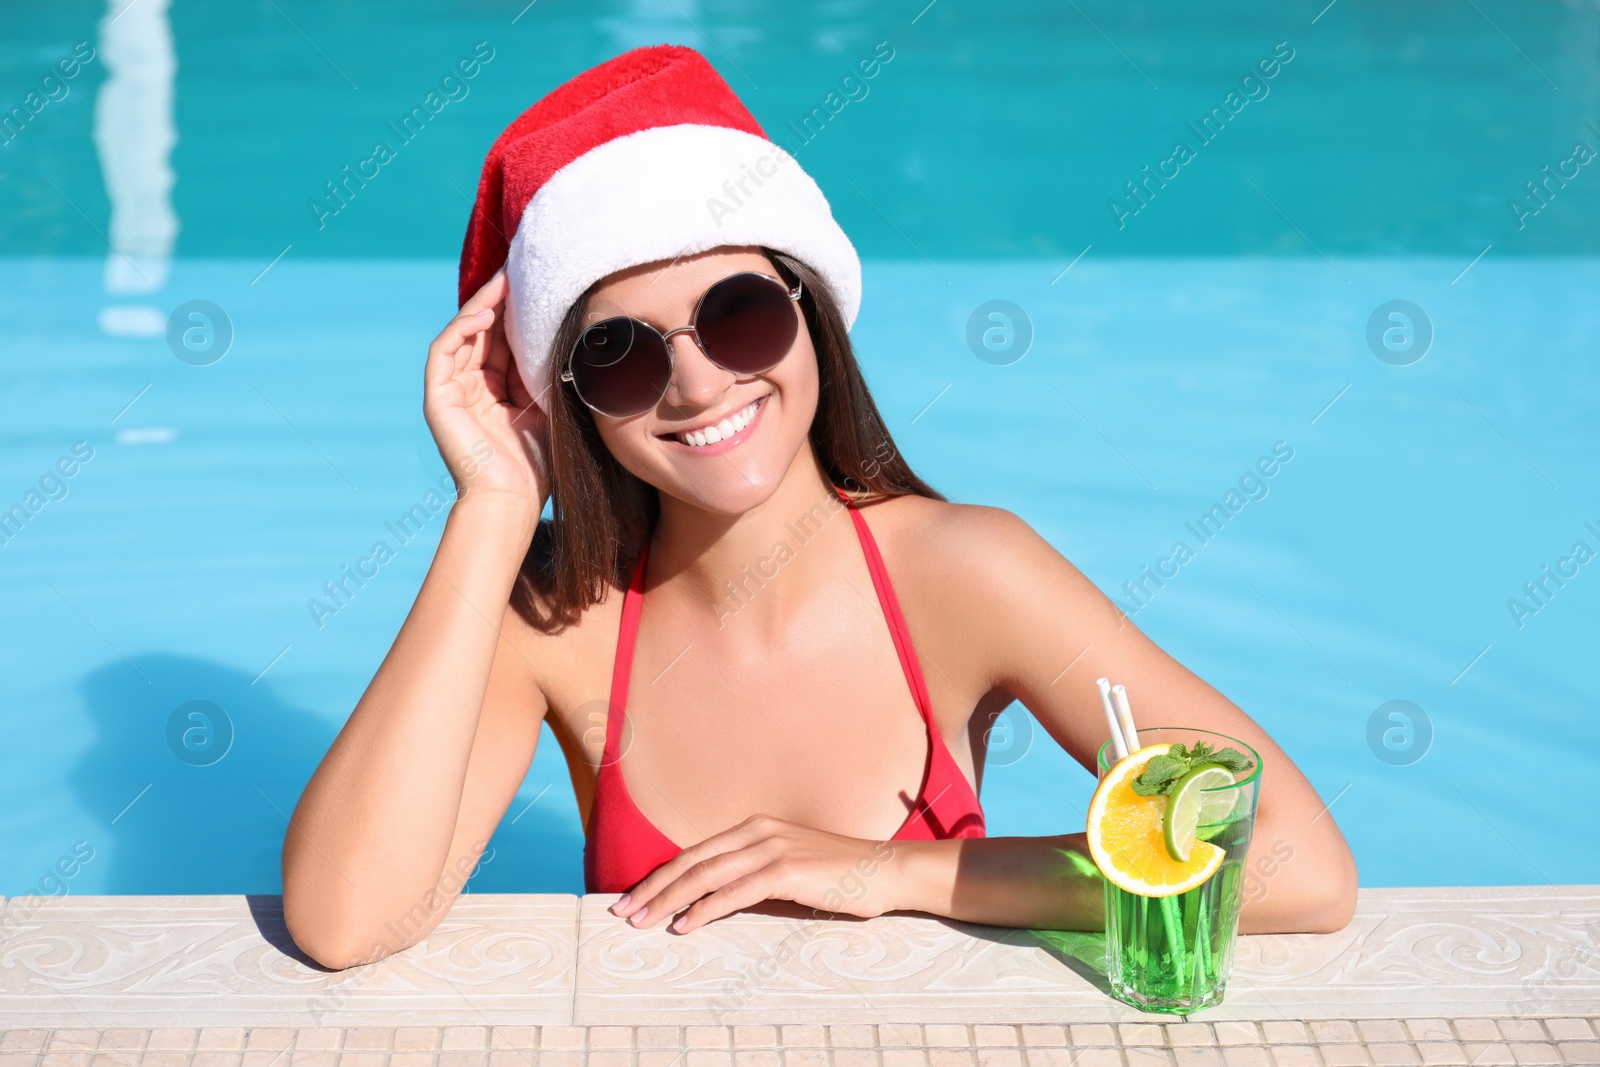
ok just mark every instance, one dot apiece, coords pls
pixel 621 903
pixel 679 923
pixel 638 917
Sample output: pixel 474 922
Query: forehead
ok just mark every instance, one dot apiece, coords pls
pixel 666 292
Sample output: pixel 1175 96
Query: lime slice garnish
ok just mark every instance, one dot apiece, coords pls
pixel 1188 806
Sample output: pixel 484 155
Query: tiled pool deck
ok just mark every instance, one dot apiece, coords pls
pixel 1421 976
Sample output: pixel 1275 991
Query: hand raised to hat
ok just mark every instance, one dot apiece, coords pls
pixel 490 433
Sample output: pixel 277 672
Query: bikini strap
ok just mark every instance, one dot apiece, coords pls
pixel 622 667
pixel 898 629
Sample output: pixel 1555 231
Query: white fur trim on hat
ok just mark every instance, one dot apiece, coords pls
pixel 656 195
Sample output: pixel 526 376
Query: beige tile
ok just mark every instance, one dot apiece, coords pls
pixel 1237 1033
pixel 1190 1034
pixel 514 1037
pixel 658 1037
pixel 1098 1057
pixel 462 1057
pixel 852 1035
pixel 1570 1029
pixel 1141 1034
pixel 801 1057
pixel 999 1057
pixel 1586 1053
pixel 123 1039
pixel 904 1057
pixel 899 1035
pixel 1393 1054
pixel 1246 1055
pixel 1195 1056
pixel 1333 1031
pixel 652 1057
pixel 1147 1056
pixel 171 1039
pixel 1373 1030
pixel 560 1038
pixel 220 1039
pixel 367 1058
pixel 615 1057
pixel 507 1057
pixel 946 1035
pixel 462 1038
pixel 1286 1032
pixel 1048 1056
pixel 708 1057
pixel 416 1039
pixel 566 1058
pixel 1441 1053
pixel 314 1058
pixel 1429 1030
pixel 754 1037
pixel 318 1039
pixel 1295 1056
pixel 411 1059
pixel 23 1040
pixel 221 1059
pixel 269 1039
pixel 1481 1031
pixel 1514 1030
pixel 610 1037
pixel 1488 1054
pixel 855 1057
pixel 707 1037
pixel 1092 1034
pixel 801 1037
pixel 1044 1036
pixel 65 1058
pixel 950 1057
pixel 1340 1055
pixel 1531 1052
pixel 72 1040
pixel 757 1057
pixel 165 1058
pixel 368 1039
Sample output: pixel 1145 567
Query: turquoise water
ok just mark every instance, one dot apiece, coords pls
pixel 1228 316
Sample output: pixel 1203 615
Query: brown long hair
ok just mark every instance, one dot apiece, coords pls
pixel 602 515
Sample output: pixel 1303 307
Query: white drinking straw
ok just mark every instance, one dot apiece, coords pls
pixel 1119 696
pixel 1118 742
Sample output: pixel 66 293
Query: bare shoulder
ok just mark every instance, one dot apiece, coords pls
pixel 968 547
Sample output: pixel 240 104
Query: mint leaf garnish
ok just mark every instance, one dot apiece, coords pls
pixel 1161 775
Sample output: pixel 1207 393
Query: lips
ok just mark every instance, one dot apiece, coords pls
pixel 718 436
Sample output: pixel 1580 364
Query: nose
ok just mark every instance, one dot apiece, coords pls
pixel 697 383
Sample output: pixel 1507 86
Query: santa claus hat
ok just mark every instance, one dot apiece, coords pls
pixel 649 156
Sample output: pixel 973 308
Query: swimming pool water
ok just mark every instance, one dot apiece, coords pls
pixel 1407 506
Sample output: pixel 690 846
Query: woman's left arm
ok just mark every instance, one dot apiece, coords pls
pixel 1029 613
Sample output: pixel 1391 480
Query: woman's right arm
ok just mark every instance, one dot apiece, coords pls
pixel 395 817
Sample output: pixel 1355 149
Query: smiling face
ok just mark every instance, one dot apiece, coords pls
pixel 719 440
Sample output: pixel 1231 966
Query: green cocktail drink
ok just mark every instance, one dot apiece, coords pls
pixel 1174 953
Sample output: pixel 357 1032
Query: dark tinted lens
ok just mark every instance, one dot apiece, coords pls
pixel 747 323
pixel 620 367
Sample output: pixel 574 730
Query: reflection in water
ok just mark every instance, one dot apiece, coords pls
pixel 134 135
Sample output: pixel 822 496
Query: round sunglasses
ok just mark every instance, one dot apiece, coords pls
pixel 621 366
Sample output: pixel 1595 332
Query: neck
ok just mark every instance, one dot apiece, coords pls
pixel 733 562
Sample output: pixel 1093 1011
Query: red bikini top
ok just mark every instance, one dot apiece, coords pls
pixel 622 846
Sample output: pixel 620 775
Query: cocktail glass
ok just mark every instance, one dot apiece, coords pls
pixel 1174 954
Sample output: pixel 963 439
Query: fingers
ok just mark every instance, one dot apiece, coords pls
pixel 690 883
pixel 738 894
pixel 492 295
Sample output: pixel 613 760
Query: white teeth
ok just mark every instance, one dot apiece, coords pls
pixel 709 435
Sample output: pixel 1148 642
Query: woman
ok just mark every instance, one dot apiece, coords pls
pixel 803 644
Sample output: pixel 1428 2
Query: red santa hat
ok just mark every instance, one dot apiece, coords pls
pixel 649 156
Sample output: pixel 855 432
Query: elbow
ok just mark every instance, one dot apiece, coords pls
pixel 331 941
pixel 1331 903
